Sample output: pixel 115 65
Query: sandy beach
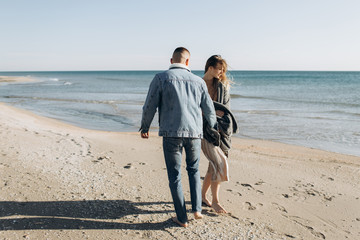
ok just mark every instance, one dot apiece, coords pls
pixel 15 79
pixel 63 182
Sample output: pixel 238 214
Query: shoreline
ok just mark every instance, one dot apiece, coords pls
pixel 341 138
pixel 153 131
pixel 62 181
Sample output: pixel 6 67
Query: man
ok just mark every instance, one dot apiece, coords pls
pixel 182 98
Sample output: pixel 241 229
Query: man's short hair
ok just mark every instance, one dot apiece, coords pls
pixel 180 54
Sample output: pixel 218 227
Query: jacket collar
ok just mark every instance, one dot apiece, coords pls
pixel 179 65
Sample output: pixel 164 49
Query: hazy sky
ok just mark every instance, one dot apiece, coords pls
pixel 141 35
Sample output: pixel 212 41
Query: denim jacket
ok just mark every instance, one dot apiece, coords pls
pixel 181 98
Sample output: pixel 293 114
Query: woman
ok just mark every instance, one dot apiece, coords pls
pixel 218 87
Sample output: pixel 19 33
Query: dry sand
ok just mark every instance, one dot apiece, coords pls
pixel 15 79
pixel 63 182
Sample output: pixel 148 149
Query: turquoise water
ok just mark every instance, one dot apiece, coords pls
pixel 313 109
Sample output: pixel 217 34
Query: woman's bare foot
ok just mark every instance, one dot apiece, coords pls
pixel 175 220
pixel 218 208
pixel 206 202
pixel 198 215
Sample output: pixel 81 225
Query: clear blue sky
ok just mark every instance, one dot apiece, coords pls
pixel 141 35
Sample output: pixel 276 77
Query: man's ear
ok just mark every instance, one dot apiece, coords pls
pixel 171 61
pixel 187 62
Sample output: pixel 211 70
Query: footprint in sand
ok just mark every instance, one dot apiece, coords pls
pixel 261 182
pixel 285 195
pixel 279 207
pixel 249 206
pixel 118 174
pixel 260 192
pixel 315 233
pixel 233 192
pixel 323 176
pixel 328 198
pixel 246 185
pixel 99 159
pixel 128 166
pixel 303 191
pixel 299 221
pixel 289 236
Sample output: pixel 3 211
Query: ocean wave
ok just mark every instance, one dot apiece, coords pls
pixel 113 117
pixel 54 79
pixel 109 78
pixel 288 113
pixel 68 83
pixel 322 118
pixel 313 102
pixel 110 102
pixel 343 112
pixel 242 96
pixel 328 119
pixel 259 112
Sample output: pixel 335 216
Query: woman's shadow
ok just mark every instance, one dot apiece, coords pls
pixel 94 214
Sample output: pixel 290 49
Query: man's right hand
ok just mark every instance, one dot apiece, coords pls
pixel 145 135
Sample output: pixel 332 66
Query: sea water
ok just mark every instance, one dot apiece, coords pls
pixel 312 109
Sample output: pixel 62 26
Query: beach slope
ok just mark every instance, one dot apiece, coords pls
pixel 63 182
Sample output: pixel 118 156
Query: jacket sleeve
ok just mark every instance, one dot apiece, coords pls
pixel 207 107
pixel 151 104
pixel 226 97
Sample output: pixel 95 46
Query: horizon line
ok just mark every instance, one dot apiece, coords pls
pixel 144 70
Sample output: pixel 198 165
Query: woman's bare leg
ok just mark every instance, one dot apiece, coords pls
pixel 205 188
pixel 215 188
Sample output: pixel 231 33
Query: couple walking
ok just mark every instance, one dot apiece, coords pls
pixel 190 120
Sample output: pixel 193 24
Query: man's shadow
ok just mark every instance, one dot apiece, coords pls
pixel 77 215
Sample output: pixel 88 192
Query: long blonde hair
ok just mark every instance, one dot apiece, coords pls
pixel 213 61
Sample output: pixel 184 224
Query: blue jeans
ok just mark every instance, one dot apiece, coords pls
pixel 173 148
